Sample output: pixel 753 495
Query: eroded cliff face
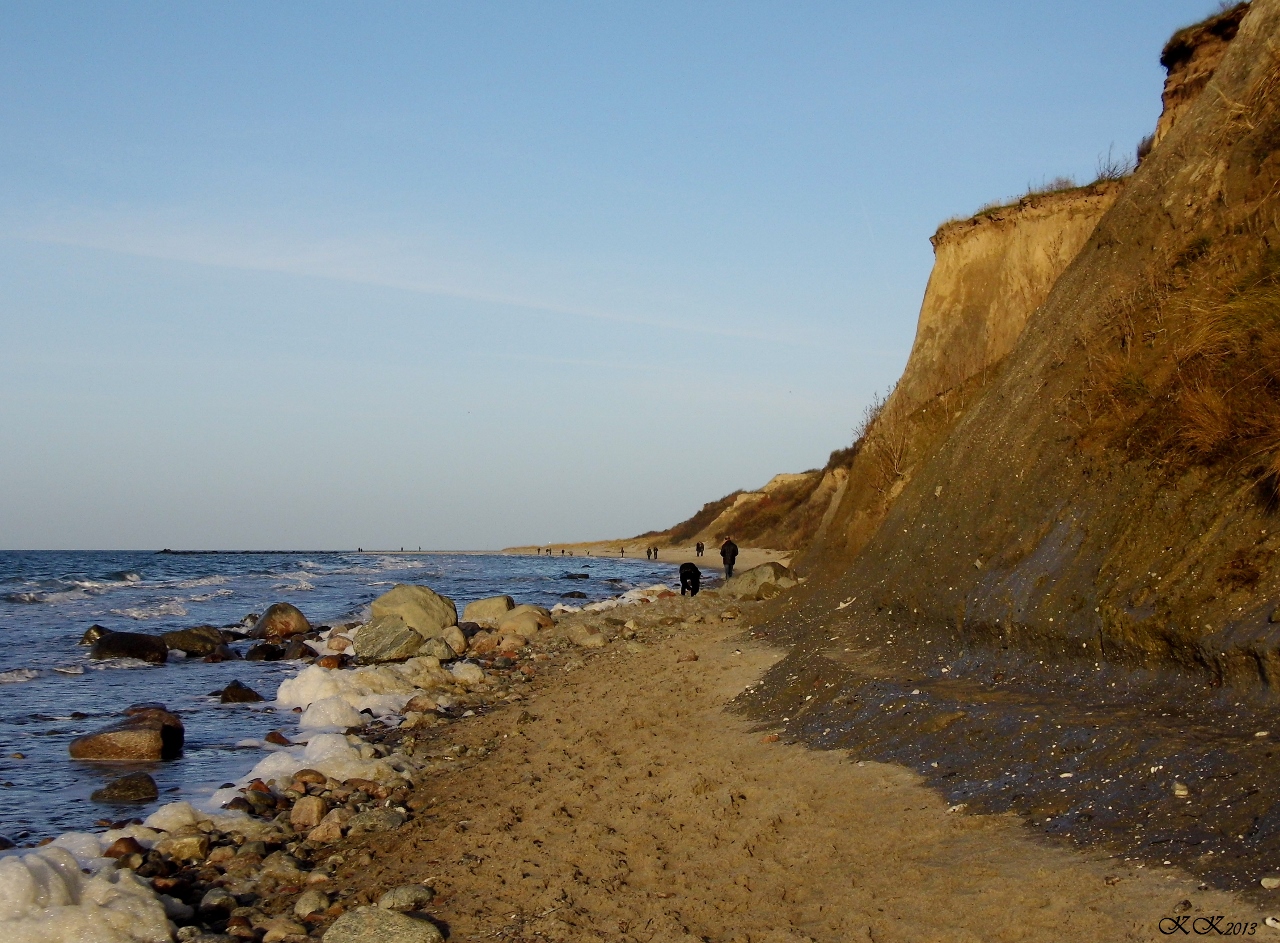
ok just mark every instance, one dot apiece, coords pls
pixel 990 272
pixel 1063 503
pixel 1190 58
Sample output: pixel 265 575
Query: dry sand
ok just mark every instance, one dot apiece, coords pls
pixel 621 801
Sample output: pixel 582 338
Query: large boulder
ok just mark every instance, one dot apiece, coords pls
pixel 375 925
pixel 280 621
pixel 748 583
pixel 488 610
pixel 131 645
pixel 387 638
pixel 422 610
pixel 198 641
pixel 148 732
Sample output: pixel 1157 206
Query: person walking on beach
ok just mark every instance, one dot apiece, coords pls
pixel 728 553
pixel 655 553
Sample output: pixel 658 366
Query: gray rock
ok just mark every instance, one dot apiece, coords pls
pixel 387 638
pixel 217 899
pixel 198 641
pixel 407 897
pixel 131 645
pixel 264 651
pixel 422 610
pixel 437 648
pixel 237 693
pixel 375 820
pixel 375 925
pixel 136 787
pixel 312 901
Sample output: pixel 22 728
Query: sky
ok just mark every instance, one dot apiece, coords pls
pixel 466 276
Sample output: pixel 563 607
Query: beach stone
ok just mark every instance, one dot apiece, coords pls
pixel 375 820
pixel 587 636
pixel 308 812
pixel 184 847
pixel 747 584
pixel 281 620
pixel 332 662
pixel 526 624
pixel 407 897
pixel 331 826
pixel 512 643
pixel 387 638
pixel 575 594
pixel 545 619
pixel 280 928
pixel 222 653
pixel 149 648
pixel 264 651
pixel 338 643
pixel 437 648
pixel 237 693
pixel 198 641
pixel 217 899
pixel 455 639
pixel 488 610
pixel 297 649
pixel 312 901
pixel 95 632
pixel 150 733
pixel 136 787
pixel 128 845
pixel 375 925
pixel 279 864
pixel 467 673
pixel 421 703
pixel 421 609
pixel 482 643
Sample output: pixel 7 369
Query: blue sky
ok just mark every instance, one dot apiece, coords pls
pixel 314 275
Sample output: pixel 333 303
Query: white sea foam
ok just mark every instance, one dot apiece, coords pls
pixel 46 898
pixel 18 674
pixel 202 581
pixel 214 595
pixel 171 608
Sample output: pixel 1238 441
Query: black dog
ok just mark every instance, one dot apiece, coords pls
pixel 690 577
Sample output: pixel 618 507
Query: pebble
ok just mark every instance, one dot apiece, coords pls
pixel 407 897
pixel 312 901
pixel 1270 883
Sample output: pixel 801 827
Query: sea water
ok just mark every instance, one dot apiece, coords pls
pixel 52 692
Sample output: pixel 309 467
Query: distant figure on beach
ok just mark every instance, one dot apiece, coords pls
pixel 728 553
pixel 655 553
pixel 697 548
pixel 648 554
pixel 622 551
pixel 690 577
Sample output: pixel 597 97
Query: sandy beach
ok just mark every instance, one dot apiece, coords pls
pixel 624 799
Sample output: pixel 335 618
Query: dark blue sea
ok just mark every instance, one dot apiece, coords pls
pixel 48 599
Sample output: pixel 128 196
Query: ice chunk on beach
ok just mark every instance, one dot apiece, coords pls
pixel 17 675
pixel 379 689
pixel 45 898
pixel 330 712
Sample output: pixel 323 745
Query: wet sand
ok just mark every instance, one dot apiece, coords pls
pixel 623 799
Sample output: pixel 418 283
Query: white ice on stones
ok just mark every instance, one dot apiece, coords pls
pixel 378 689
pixel 330 713
pixel 329 753
pixel 46 898
pixel 175 816
pixel 630 597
